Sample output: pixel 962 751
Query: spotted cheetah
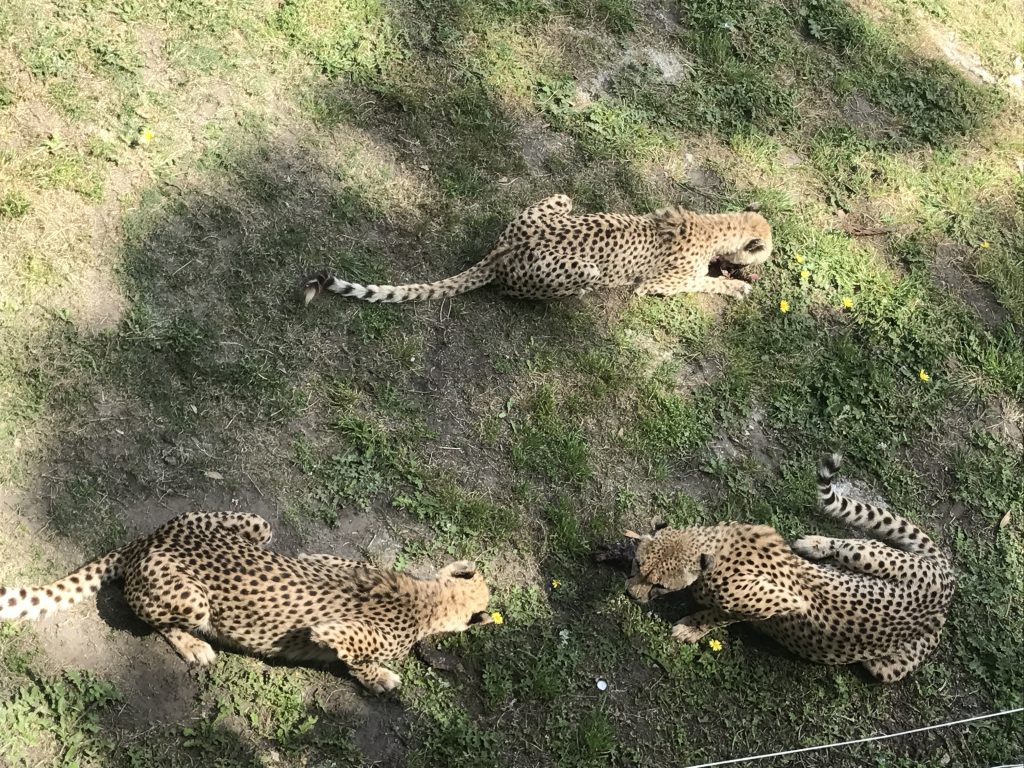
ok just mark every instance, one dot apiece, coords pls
pixel 210 573
pixel 547 253
pixel 835 601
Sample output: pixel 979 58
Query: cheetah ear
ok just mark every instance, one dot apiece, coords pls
pixel 658 523
pixel 754 207
pixel 481 617
pixel 707 562
pixel 754 246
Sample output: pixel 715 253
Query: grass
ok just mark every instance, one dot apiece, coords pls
pixel 170 172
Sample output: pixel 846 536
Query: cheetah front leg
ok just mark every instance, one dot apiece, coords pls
pixel 332 561
pixel 872 558
pixel 672 285
pixel 360 646
pixel 692 628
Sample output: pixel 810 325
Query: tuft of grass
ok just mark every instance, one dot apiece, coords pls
pixel 547 438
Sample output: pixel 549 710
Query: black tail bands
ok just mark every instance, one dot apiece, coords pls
pixel 876 521
pixel 476 276
pixel 828 468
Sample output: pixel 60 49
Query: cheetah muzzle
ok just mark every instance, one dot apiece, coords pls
pixel 547 252
pixel 210 574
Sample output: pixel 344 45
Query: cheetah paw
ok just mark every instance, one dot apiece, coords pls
pixel 685 632
pixel 195 651
pixel 743 290
pixel 385 681
pixel 812 547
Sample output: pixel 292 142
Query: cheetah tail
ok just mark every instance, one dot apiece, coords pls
pixel 33 602
pixel 476 276
pixel 876 521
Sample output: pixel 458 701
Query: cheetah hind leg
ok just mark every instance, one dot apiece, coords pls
pixel 354 641
pixel 874 558
pixel 893 668
pixel 173 605
pixel 247 524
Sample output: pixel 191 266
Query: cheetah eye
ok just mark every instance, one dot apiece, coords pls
pixel 754 246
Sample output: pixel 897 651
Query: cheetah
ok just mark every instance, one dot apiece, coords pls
pixel 210 573
pixel 548 253
pixel 835 601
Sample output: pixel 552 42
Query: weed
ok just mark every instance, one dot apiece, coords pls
pixel 57 717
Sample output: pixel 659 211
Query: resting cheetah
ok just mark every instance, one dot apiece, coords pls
pixel 210 573
pixel 547 253
pixel 880 603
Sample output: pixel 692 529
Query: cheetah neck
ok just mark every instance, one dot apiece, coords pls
pixel 436 602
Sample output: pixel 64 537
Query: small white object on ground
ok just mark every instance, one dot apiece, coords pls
pixel 602 684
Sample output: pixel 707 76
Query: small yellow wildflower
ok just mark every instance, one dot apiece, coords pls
pixel 923 375
pixel 783 306
pixel 986 244
pixel 145 136
pixel 804 274
pixel 555 583
pixel 497 618
pixel 847 302
pixel 715 645
pixel 799 259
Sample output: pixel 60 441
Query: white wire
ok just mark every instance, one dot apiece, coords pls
pixel 865 739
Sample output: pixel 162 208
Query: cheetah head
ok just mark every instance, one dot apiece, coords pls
pixel 464 598
pixel 734 242
pixel 667 560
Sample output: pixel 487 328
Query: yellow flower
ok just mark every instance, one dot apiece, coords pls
pixel 497 618
pixel 715 645
pixel 804 274
pixel 555 583
pixel 986 244
pixel 146 135
pixel 923 375
pixel 783 306
pixel 799 259
pixel 847 302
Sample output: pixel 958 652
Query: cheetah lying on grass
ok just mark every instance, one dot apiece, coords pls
pixel 210 573
pixel 547 253
pixel 880 603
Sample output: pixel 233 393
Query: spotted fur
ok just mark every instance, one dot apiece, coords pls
pixel 547 253
pixel 836 601
pixel 210 573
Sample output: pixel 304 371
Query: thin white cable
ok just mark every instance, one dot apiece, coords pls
pixel 862 741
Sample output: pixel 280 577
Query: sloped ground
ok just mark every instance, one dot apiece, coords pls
pixel 169 171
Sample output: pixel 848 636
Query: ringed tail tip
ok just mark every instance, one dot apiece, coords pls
pixel 313 287
pixel 830 464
